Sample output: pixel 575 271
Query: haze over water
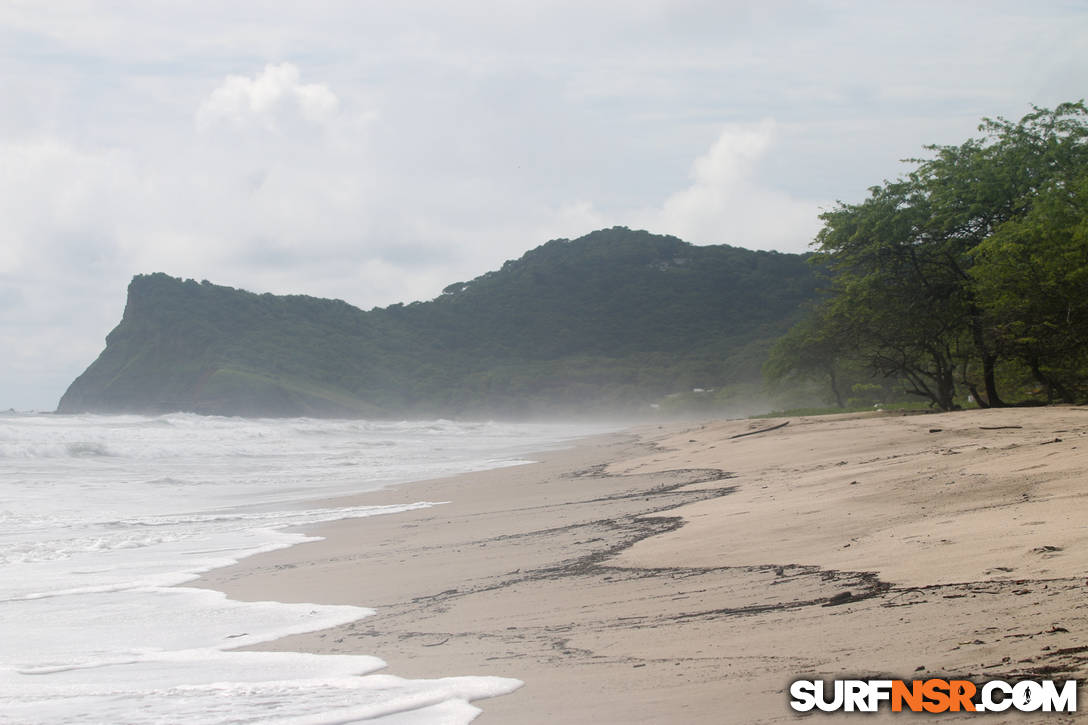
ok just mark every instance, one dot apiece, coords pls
pixel 103 516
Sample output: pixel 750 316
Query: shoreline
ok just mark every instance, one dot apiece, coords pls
pixel 677 573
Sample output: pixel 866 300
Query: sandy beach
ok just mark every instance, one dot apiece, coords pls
pixel 687 573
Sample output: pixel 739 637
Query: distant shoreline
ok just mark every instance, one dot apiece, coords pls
pixel 675 573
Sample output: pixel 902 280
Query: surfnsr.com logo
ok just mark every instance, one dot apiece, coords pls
pixel 933 695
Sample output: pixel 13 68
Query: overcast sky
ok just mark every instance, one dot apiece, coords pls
pixel 377 152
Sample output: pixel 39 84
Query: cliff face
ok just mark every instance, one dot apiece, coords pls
pixel 183 345
pixel 613 319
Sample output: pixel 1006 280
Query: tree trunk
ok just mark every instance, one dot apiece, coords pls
pixel 989 360
pixel 1052 386
pixel 835 387
pixel 946 391
pixel 978 398
pixel 989 363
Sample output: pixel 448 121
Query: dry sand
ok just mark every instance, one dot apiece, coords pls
pixel 677 574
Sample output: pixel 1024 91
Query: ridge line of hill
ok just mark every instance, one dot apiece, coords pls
pixel 607 323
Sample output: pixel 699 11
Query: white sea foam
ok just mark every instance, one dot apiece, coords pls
pixel 104 516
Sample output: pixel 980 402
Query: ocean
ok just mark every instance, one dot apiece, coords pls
pixel 103 519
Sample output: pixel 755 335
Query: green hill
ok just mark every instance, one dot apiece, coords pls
pixel 606 323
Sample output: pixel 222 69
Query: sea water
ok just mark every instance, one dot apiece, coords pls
pixel 103 517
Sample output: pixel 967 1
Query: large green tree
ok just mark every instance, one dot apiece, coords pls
pixel 968 262
pixel 893 289
pixel 1032 276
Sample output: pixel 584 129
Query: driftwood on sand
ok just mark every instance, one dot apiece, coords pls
pixel 761 430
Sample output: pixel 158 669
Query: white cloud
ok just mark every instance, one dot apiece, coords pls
pixel 269 99
pixel 61 207
pixel 60 204
pixel 726 204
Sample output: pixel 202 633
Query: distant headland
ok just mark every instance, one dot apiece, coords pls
pixel 610 323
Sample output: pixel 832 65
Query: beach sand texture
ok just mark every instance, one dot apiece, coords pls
pixel 679 574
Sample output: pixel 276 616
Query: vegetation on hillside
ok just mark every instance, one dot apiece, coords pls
pixel 611 322
pixel 967 279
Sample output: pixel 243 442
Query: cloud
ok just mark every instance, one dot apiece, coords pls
pixel 726 203
pixel 62 209
pixel 60 205
pixel 272 98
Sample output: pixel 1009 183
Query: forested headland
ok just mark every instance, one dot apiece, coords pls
pixel 964 282
pixel 615 322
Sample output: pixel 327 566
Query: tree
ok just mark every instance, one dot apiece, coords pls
pixel 970 260
pixel 892 290
pixel 978 188
pixel 813 350
pixel 1032 271
pixel 1033 277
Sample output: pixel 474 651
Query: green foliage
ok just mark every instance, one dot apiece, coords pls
pixel 813 350
pixel 607 323
pixel 969 271
pixel 905 407
pixel 1033 277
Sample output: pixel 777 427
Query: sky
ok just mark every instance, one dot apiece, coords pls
pixel 376 152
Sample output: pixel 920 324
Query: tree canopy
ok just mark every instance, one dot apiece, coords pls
pixel 967 277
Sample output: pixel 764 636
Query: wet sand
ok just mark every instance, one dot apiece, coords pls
pixel 688 573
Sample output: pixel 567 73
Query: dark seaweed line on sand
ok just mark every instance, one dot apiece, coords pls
pixel 631 529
